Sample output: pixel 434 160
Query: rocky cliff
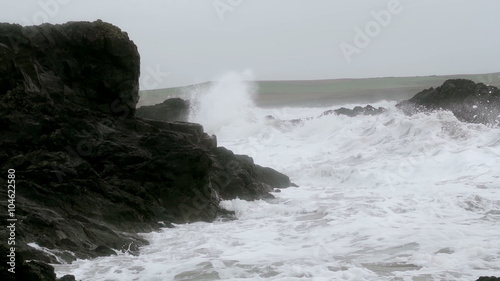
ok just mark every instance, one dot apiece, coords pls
pixel 89 174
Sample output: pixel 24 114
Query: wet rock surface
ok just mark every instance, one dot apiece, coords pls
pixel 468 101
pixel 174 109
pixel 89 173
pixel 27 270
pixel 488 278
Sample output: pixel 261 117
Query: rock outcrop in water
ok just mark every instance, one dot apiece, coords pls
pixel 469 102
pixel 488 278
pixel 357 110
pixel 174 109
pixel 89 174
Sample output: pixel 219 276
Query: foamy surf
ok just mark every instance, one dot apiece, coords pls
pixel 386 197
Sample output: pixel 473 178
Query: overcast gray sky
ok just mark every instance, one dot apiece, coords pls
pixel 189 41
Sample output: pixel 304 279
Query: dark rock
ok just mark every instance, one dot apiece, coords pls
pixel 272 177
pixel 67 278
pixel 357 110
pixel 103 251
pixel 238 176
pixel 36 271
pixel 174 109
pixel 226 215
pixel 90 174
pixel 90 64
pixel 4 262
pixel 491 278
pixel 469 102
pixel 24 270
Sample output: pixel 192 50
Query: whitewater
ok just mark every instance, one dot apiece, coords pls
pixel 385 197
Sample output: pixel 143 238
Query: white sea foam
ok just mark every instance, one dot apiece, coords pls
pixel 227 106
pixel 387 197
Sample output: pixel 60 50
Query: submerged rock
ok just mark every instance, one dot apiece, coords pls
pixel 357 110
pixel 468 101
pixel 90 174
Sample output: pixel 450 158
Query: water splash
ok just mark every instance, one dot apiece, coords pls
pixel 227 106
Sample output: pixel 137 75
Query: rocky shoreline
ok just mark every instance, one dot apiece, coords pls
pixel 89 174
pixel 92 171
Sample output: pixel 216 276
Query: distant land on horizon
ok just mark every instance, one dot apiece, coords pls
pixel 279 93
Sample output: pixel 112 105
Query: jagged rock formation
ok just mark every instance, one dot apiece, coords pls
pixel 92 65
pixel 89 174
pixel 174 109
pixel 469 102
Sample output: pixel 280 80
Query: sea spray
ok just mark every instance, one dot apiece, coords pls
pixel 227 106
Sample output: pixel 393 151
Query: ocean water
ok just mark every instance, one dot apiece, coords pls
pixel 387 197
